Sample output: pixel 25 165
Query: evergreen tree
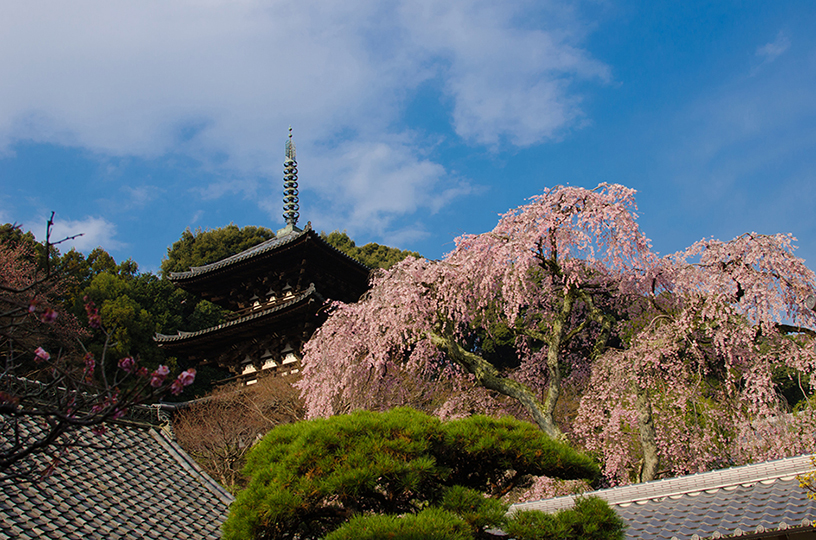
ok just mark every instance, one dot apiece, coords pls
pixel 399 474
pixel 372 255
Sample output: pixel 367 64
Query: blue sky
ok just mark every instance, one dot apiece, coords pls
pixel 414 121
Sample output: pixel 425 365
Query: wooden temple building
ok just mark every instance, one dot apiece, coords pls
pixel 275 291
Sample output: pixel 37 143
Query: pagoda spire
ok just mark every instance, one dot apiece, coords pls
pixel 290 185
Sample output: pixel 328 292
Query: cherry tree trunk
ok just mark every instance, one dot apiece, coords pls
pixel 651 459
pixel 488 376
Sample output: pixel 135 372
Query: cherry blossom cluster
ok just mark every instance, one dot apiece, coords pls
pixel 674 355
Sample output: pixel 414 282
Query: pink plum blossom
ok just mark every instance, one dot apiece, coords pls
pixel 94 320
pixel 187 377
pixel 177 387
pixel 90 365
pixel 127 364
pixel 49 316
pixel 41 355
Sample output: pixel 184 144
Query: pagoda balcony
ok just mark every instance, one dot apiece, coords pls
pixel 258 306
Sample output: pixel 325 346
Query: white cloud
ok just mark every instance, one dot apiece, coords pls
pixel 218 80
pixel 768 53
pixel 373 182
pixel 145 77
pixel 506 80
pixel 140 196
pixel 88 233
pixel 771 51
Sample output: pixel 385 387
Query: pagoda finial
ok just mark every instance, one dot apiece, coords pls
pixel 290 185
pixel 290 147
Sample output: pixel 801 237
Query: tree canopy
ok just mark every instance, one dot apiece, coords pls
pixel 668 362
pixel 208 246
pixel 310 478
pixel 371 254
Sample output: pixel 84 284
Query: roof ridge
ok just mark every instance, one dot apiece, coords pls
pixel 311 290
pixel 683 485
pixel 245 254
pixel 731 477
pixel 191 466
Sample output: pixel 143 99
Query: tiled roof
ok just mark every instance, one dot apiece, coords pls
pixel 263 247
pixel 294 300
pixel 740 501
pixel 134 482
pixel 255 251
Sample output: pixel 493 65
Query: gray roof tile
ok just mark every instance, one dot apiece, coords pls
pixel 748 500
pixel 181 336
pixel 143 486
pixel 254 251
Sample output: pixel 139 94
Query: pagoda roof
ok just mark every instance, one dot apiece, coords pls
pixel 255 252
pixel 290 261
pixel 258 317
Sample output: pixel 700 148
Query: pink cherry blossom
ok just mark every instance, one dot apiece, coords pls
pixel 668 359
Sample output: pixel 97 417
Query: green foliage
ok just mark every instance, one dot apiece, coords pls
pixel 101 261
pixel 372 255
pixel 590 519
pixel 491 446
pixel 429 524
pixel 11 235
pixel 309 478
pixel 134 306
pixel 473 507
pixel 208 246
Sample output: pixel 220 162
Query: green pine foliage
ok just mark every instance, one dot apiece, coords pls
pixel 429 524
pixel 590 519
pixel 477 511
pixel 396 472
pixel 372 255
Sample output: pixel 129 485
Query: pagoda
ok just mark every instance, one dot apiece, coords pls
pixel 275 292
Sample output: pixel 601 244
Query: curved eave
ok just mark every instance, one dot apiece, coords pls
pixel 269 246
pixel 264 247
pixel 284 308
